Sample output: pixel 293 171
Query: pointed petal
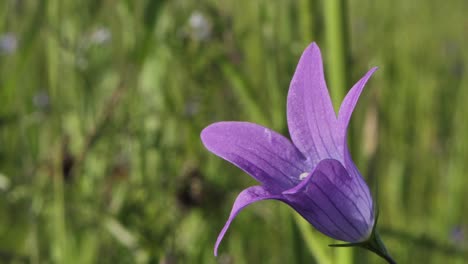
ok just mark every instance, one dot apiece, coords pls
pixel 349 103
pixel 344 116
pixel 310 113
pixel 266 155
pixel 332 200
pixel 246 197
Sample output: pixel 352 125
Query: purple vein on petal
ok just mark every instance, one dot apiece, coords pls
pixel 313 211
pixel 269 183
pixel 330 175
pixel 311 216
pixel 331 219
pixel 351 190
pixel 321 134
pixel 332 202
pixel 316 183
pixel 358 209
pixel 349 165
pixel 331 131
pixel 286 175
pixel 291 164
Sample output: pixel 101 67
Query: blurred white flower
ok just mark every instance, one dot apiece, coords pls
pixel 8 43
pixel 100 36
pixel 199 25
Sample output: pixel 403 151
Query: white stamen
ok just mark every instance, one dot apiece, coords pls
pixel 303 175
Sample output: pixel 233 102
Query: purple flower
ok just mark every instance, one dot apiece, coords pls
pixel 8 43
pixel 314 174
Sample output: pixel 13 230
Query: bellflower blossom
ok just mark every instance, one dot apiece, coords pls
pixel 314 174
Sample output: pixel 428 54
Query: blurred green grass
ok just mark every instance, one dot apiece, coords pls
pixel 102 103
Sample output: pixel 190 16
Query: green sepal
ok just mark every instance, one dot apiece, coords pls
pixel 374 244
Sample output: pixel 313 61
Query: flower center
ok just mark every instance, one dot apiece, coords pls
pixel 303 175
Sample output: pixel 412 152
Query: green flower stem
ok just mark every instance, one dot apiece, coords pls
pixel 336 51
pixel 336 43
pixel 58 231
pixel 306 20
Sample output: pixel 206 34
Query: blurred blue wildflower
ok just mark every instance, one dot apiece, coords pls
pixel 8 43
pixel 314 174
pixel 458 235
pixel 41 100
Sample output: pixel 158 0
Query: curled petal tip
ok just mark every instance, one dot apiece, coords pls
pixel 246 197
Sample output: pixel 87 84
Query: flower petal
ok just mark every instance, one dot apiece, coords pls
pixel 246 197
pixel 333 201
pixel 264 154
pixel 349 103
pixel 344 116
pixel 310 113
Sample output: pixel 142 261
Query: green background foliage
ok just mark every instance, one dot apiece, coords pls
pixel 102 103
